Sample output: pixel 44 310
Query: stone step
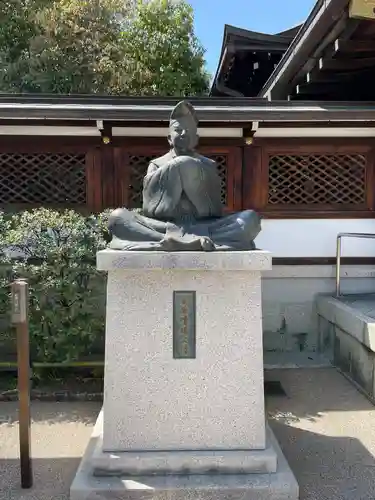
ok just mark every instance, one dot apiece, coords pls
pixel 355 314
pixel 347 328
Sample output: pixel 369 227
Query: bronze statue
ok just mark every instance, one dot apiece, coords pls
pixel 182 207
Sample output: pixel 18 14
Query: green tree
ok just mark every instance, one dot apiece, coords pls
pixel 74 47
pixel 17 28
pixel 166 56
pixel 127 47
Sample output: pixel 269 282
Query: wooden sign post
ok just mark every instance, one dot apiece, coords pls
pixel 20 298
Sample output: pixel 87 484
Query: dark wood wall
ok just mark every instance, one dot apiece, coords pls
pixel 283 178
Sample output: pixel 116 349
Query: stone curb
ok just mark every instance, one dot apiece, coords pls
pixel 11 396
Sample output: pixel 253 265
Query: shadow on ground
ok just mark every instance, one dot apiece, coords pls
pixel 325 428
pixel 310 393
pixel 327 468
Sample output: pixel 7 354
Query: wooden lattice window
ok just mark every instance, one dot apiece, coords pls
pixel 36 179
pixel 317 179
pixel 138 167
pixel 222 166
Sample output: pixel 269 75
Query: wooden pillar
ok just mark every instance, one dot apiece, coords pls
pixel 235 179
pixel 94 180
pixel 255 177
pixel 121 176
pixel 108 177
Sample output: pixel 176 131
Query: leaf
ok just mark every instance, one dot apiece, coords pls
pixel 145 47
pixel 56 252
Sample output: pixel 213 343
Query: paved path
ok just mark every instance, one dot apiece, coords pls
pixel 60 433
pixel 325 427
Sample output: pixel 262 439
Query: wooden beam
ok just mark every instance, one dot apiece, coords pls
pixel 353 46
pixel 322 78
pixel 346 64
pixel 258 48
pixel 319 88
pixel 327 41
pixel 324 91
pixel 330 71
pixel 322 261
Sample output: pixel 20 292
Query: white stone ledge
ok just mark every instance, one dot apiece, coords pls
pixel 320 271
pixel 255 260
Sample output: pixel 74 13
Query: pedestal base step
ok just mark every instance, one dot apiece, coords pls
pixel 159 463
pixel 279 485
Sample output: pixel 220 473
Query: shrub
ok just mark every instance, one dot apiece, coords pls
pixel 55 251
pixel 5 279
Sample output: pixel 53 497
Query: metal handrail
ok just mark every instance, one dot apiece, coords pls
pixel 338 253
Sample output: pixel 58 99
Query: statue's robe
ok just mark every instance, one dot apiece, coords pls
pixel 181 206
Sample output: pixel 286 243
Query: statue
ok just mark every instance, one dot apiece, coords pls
pixel 182 209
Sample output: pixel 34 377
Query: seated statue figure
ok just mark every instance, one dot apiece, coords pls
pixel 182 208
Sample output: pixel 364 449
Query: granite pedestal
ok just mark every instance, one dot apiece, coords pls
pixel 183 413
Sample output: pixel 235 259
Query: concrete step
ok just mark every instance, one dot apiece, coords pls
pixel 347 329
pixel 355 314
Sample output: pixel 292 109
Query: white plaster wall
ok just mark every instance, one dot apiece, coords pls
pixel 315 237
pixel 288 295
pixel 289 320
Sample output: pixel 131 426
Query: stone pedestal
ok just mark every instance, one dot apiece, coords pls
pixel 183 406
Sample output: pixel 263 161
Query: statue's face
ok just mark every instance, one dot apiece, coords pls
pixel 183 135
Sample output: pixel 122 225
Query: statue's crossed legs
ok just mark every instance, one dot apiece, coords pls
pixel 132 231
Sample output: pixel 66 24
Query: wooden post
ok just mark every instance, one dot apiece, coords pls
pixel 20 298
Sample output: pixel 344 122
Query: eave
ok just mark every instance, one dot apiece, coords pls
pixel 331 58
pixel 154 110
pixel 240 44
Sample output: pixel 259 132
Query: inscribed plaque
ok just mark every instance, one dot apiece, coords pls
pixel 184 325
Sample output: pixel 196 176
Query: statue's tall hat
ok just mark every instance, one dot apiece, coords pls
pixel 184 109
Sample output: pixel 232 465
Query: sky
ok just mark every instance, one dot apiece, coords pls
pixel 265 16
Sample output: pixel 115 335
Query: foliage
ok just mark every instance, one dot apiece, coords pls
pixel 133 47
pixel 168 58
pixel 73 47
pixel 55 252
pixel 17 27
pixel 5 271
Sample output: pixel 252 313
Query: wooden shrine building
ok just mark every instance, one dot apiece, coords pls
pixel 284 159
pixel 329 58
pixel 247 59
